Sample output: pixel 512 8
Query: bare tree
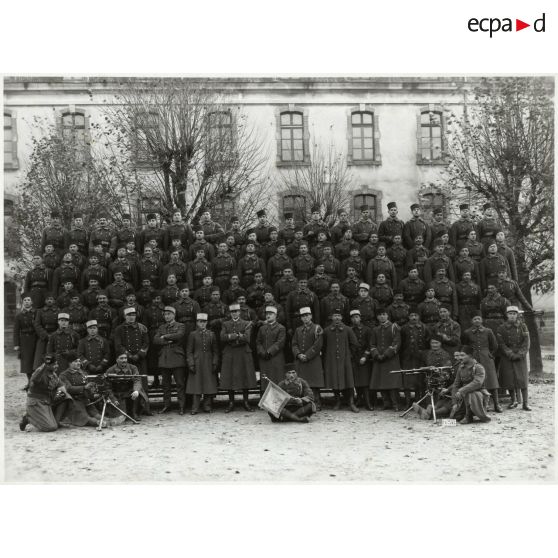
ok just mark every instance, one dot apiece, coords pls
pixel 198 150
pixel 502 151
pixel 324 182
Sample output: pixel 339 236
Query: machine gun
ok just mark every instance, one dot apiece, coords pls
pixel 436 378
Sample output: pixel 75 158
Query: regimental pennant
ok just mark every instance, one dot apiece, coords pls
pixel 274 399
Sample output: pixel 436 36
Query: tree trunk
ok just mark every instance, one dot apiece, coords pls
pixel 535 354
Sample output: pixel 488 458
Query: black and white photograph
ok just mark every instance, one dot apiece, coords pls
pixel 279 278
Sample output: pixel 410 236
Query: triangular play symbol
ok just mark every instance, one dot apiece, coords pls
pixel 519 25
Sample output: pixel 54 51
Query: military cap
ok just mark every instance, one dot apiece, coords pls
pixel 126 216
pixel 288 215
pixel 491 242
pixel 234 307
pixel 315 208
pixel 364 207
pixel 77 215
pixel 486 206
pixel 49 358
pixel 63 316
pixel 415 206
pixel 271 229
pixel 91 323
pixel 464 206
pixel 271 309
pixel 97 242
pixel 261 213
pixel 151 216
pixel 441 233
pixel 298 228
pixel 305 310
pixel 170 309
pixel 391 204
pixel 235 218
pixel 381 310
pixel 130 310
pixel 438 211
pixel 302 277
pixel 201 316
pixel 436 337
pixel 55 213
pixel 355 312
pixel 364 286
pixel 339 211
pixel 512 309
pixel 290 367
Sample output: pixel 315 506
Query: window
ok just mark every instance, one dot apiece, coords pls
pixel 10 141
pixel 295 204
pixel 362 124
pixel 365 199
pixel 12 243
pixel 293 139
pixel 430 201
pixel 75 130
pixel 150 204
pixel 223 210
pixel 221 140
pixel 146 124
pixel 430 136
pixel 363 136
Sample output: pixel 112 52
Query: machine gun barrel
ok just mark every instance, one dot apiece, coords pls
pixel 421 370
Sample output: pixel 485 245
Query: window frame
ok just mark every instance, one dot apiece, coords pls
pixel 365 190
pixel 299 219
pixel 432 109
pixel 72 110
pixel 281 110
pixel 14 163
pixel 376 154
pixel 427 208
pixel 232 136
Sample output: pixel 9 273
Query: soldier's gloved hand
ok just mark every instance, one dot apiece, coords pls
pixel 135 395
pixel 362 360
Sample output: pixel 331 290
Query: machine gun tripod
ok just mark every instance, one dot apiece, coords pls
pixel 103 388
pixel 436 378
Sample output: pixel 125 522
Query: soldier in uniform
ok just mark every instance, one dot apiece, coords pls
pixel 334 301
pixel 386 343
pixel 237 368
pixel 317 251
pixel 122 264
pixel 270 301
pixel 201 243
pixel 445 292
pixel 364 227
pixel 154 318
pixel 78 235
pixel 235 232
pixel 255 293
pixel 301 404
pixel 300 298
pixel 354 261
pixel 381 291
pixel 78 314
pixel 468 300
pixel 438 225
pixel 262 229
pixel 463 263
pixel 66 297
pixel 513 340
pixel 202 354
pixel 93 350
pixel 150 268
pixel 332 266
pixel 224 266
pixel 468 390
pixel 117 290
pixel 270 343
pixel 284 286
pixel 50 258
pixel 234 290
pixel 436 261
pixel 491 265
pixel 25 335
pixel 132 338
pixel 488 227
pixel 320 283
pixel 459 231
pixel 343 248
pixel 507 252
pixel 187 309
pixel 106 316
pixel 172 359
pixel 249 265
pixel 78 259
pixel 307 345
pixel 412 288
pixel 213 231
pixel 362 366
pixel 124 234
pixel 217 312
pixel 311 230
pixel 415 340
pixel 294 245
pixel 367 305
pixel 398 255
pixel 89 296
pixel 287 233
pixel 177 267
pixel 203 295
pixel 177 229
pixel 197 269
pixel 390 226
pixel 63 342
pixel 418 255
pixel 303 263
pixel 151 232
pixel 94 270
pixel 449 331
pixel 370 249
pixel 55 234
pixel 398 310
pixel 277 263
pixel 429 308
pixel 415 226
pixel 484 344
pixel 493 308
pixel 340 345
pixel 101 236
pixel 381 264
pixel 67 271
pixel 350 285
pixel 509 289
pixel 476 249
pixel 337 231
pixel 38 282
pixel 46 323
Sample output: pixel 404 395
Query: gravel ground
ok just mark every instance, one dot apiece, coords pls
pixel 337 446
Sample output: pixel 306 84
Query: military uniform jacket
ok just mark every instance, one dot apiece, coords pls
pixel 122 236
pixel 262 233
pixel 293 249
pixel 128 370
pixel 66 272
pixel 24 325
pixel 145 295
pixel 132 339
pixel 468 294
pixel 299 299
pixel 78 317
pixel 217 313
pixel 154 317
pixel 74 381
pixel 255 294
pixel 413 228
pixel 172 353
pixel 363 335
pixel 308 340
pixel 331 266
pixel 212 231
pixel 61 342
pixel 368 308
pixel 340 347
pixel 337 231
pixel 80 237
pixel 468 378
pixel 287 234
pixel 383 293
pixel 52 261
pixel 362 230
pixel 320 284
pixel 196 271
pixel 415 339
pixel 208 250
pixel 107 319
pixel 357 263
pixel 476 250
pixel 46 321
pixel 282 289
pixel 231 295
pixel 509 256
pixel 343 249
pixel 349 288
pixel 238 236
pixel 312 229
pixel 94 352
pixel 450 328
pixel 383 265
pixel 128 270
pixel 437 358
pixel 398 255
pixel 303 264
pixel 510 289
pixel 459 232
pixel 417 256
pixel 117 291
pixel 429 310
pixel 275 266
pixel 98 272
pixel 224 265
pixel 178 269
pixel 339 303
pixel 389 228
pixel 149 268
pixel 203 295
pixel 398 313
pixel 151 233
pixel 445 293
pixel 104 234
pixel 176 230
pixel 248 266
pixel 435 228
pixel 270 342
pixel 55 236
pixel 494 308
pixel 413 290
pixel 369 251
pixel 463 265
pixel 489 268
pixel 487 230
pixel 38 278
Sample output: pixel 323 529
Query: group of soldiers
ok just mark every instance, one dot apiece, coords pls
pixel 349 304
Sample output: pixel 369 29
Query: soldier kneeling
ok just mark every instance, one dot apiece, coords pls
pixel 301 404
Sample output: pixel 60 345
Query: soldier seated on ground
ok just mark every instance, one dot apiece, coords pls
pixel 301 405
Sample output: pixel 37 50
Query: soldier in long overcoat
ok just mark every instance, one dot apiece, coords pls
pixel 25 335
pixel 202 354
pixel 237 368
pixel 386 343
pixel 459 231
pixel 485 347
pixel 270 343
pixel 513 339
pixel 468 300
pixel 390 226
pixel 307 345
pixel 449 330
pixel 172 359
pixel 46 323
pixel 340 345
pixel 493 309
pixel 362 365
pixel 93 350
pixel 334 300
pixel 63 342
pixel 416 225
pixel 38 281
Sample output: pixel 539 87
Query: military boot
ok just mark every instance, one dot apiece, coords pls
pixel 195 405
pixel 352 405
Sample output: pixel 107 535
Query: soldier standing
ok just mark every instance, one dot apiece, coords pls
pixel 362 366
pixel 25 335
pixel 415 226
pixel 459 231
pixel 93 350
pixel 132 338
pixel 390 226
pixel 270 343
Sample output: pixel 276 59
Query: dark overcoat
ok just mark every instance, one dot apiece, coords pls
pixel 514 341
pixel 271 341
pixel 340 344
pixel 202 353
pixel 485 345
pixel 308 340
pixel 386 343
pixel 237 368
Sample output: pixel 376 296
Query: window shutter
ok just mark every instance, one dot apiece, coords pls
pixel 13 123
pixel 350 138
pixel 419 132
pixel 306 136
pixel 377 155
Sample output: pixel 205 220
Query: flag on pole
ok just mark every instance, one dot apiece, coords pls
pixel 274 399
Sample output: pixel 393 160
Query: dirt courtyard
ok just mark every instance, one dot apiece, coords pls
pixel 337 446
